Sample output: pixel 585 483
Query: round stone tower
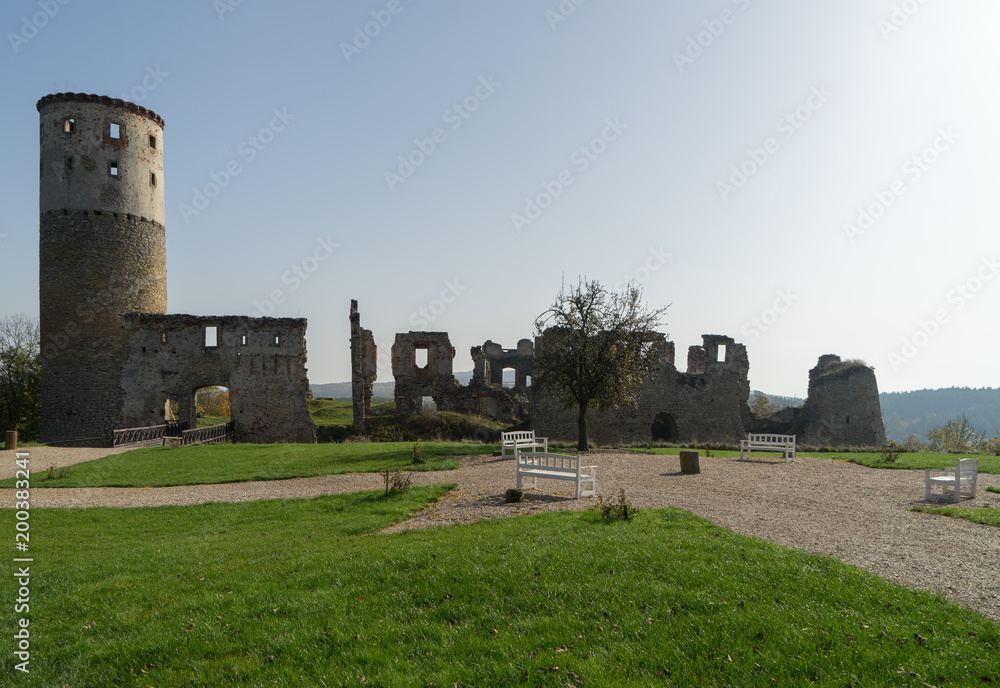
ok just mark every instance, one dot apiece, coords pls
pixel 101 254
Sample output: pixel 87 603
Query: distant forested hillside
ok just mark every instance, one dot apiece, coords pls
pixel 926 409
pixel 776 400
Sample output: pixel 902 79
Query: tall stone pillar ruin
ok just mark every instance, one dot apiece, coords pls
pixel 364 369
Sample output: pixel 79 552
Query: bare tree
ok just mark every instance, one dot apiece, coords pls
pixel 20 375
pixel 597 347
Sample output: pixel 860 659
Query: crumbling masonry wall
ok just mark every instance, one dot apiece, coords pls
pixel 364 369
pixel 842 408
pixel 491 359
pixel 708 402
pixel 260 360
pixel 436 379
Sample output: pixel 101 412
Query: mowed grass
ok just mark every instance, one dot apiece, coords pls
pixel 288 593
pixel 208 421
pixel 331 412
pixel 909 460
pixel 986 516
pixel 226 463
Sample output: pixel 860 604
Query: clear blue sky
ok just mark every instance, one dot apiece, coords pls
pixel 628 121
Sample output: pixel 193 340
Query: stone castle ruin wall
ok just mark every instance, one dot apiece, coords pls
pixel 708 402
pixel 364 370
pixel 260 360
pixel 110 356
pixel 842 408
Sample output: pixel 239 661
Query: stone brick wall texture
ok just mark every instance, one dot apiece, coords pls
pixel 689 407
pixel 261 361
pixel 842 408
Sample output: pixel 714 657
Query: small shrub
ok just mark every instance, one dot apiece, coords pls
pixel 416 453
pixel 890 452
pixel 53 472
pixel 396 482
pixel 619 509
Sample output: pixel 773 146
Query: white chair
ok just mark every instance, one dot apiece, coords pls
pixel 952 481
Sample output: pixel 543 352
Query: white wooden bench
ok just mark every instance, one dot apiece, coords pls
pixel 952 480
pixel 533 465
pixel 772 443
pixel 521 440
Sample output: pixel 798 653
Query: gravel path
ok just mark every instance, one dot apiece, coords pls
pixel 858 515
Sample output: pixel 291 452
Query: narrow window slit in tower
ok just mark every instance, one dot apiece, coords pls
pixel 211 336
pixel 115 130
pixel 69 125
pixel 152 141
pixel 152 178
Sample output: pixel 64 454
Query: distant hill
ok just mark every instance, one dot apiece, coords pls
pixel 926 409
pixel 777 400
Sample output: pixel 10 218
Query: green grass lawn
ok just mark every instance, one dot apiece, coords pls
pixel 986 516
pixel 288 593
pixel 225 463
pixel 988 463
pixel 208 421
pixel 331 412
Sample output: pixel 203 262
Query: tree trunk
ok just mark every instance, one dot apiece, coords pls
pixel 581 427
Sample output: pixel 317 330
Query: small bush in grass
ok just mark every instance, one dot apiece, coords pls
pixel 53 472
pixel 416 453
pixel 619 509
pixel 396 482
pixel 890 452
